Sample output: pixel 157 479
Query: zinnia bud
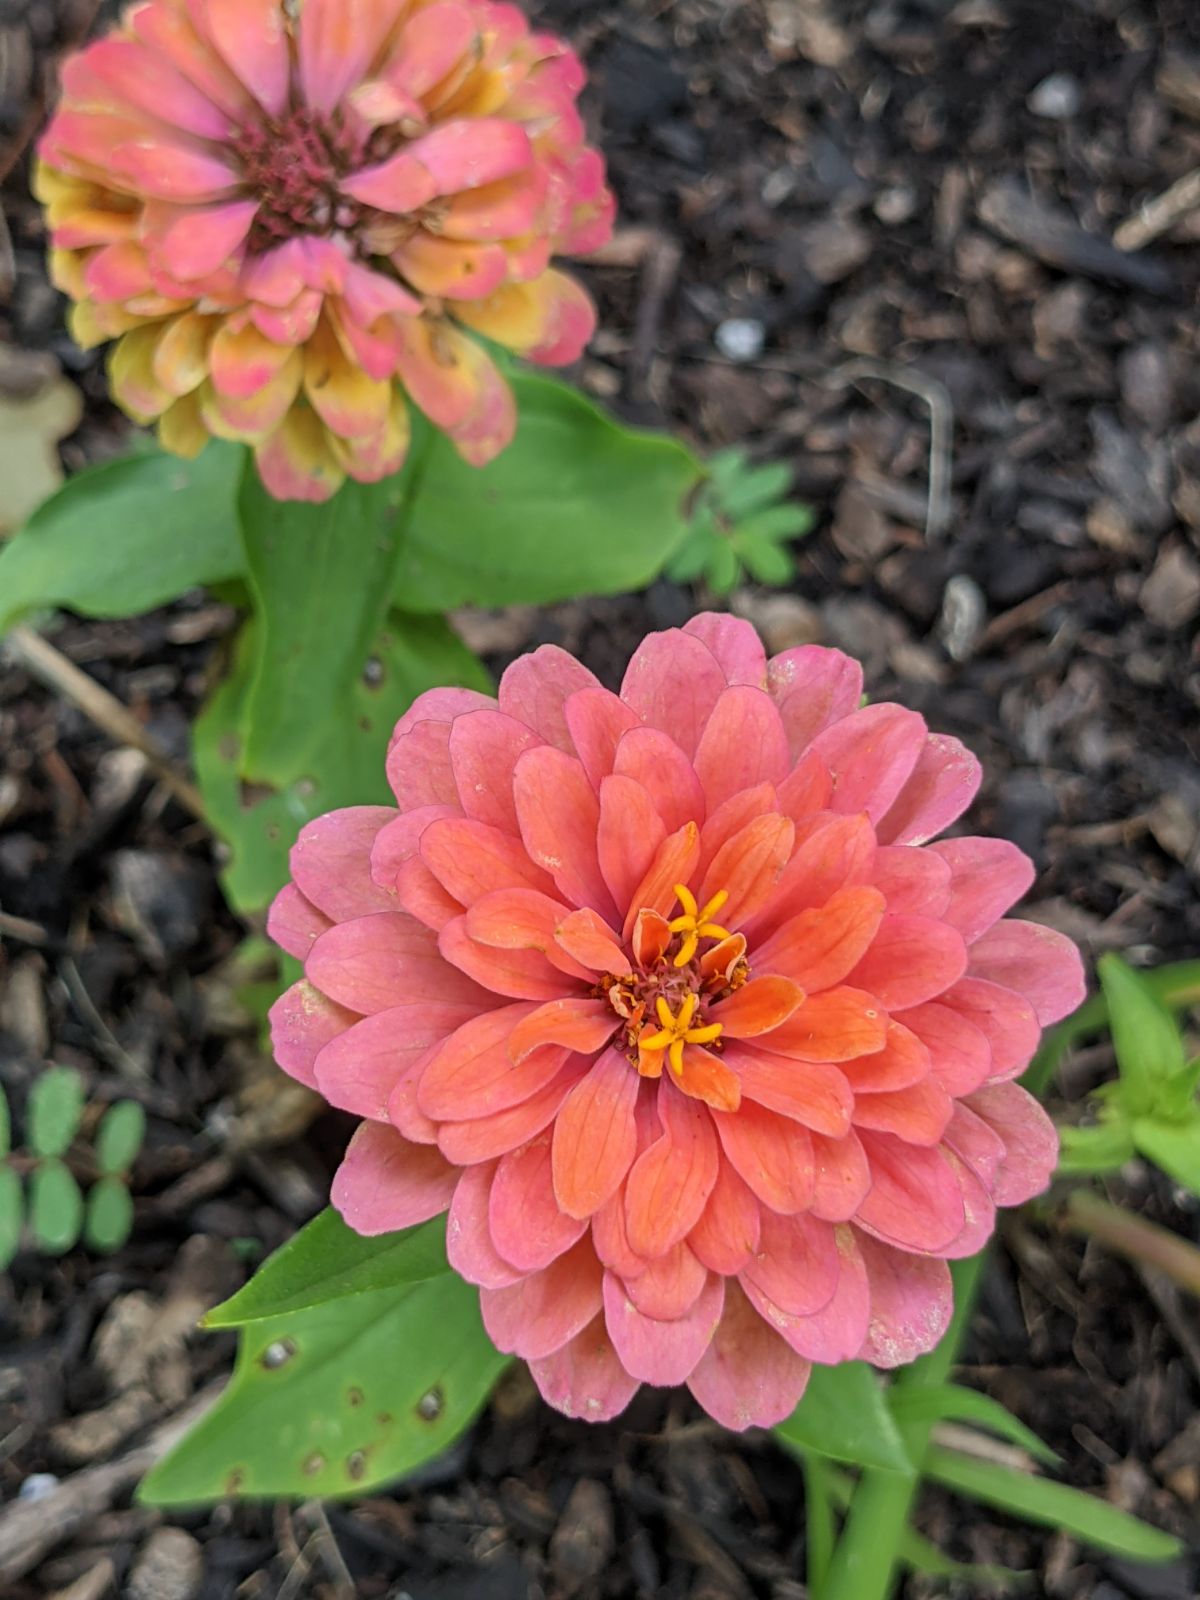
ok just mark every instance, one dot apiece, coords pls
pixel 293 215
pixel 668 998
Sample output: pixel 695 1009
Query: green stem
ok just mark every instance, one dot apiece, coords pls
pixel 818 1520
pixel 866 1562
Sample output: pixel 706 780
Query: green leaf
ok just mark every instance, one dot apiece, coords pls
pixel 1103 1148
pixel 1050 1504
pixel 55 1208
pixel 5 1124
pixel 723 567
pixel 119 1137
pixel 109 1216
pixel 576 505
pixel 126 536
pixel 319 578
pixel 753 489
pixel 775 524
pixel 54 1110
pixel 1145 1036
pixel 338 1399
pixel 410 655
pixel 769 563
pixel 844 1415
pixel 1173 1146
pixel 921 1555
pixel 952 1402
pixel 12 1215
pixel 329 1261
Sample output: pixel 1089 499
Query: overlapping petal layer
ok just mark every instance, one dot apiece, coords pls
pixel 666 998
pixel 291 217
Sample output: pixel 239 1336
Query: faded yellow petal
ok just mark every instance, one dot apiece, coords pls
pixel 131 374
pixel 181 430
pixel 181 360
pixel 352 405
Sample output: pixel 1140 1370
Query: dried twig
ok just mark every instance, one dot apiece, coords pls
pixel 938 508
pixel 1159 215
pixel 102 708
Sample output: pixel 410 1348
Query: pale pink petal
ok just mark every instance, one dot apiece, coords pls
pixel 441 705
pixel 735 645
pixel 668 777
pixel 669 1286
pixel 915 1201
pixel 294 922
pixel 813 688
pixel 339 40
pixel 559 816
pixel 331 862
pixel 813 1093
pixel 988 877
pixel 484 747
pixel 727 1234
pixel 469 153
pixel 835 1332
pixel 594 721
pixel 960 1056
pixel 527 1226
pixel 539 1315
pixel 979 1210
pixel 743 744
pixel 303 1021
pixel 662 1353
pixel 192 242
pixel 595 1136
pixel 748 1377
pixel 516 973
pixel 629 835
pixel 536 687
pixel 471 859
pixel 841 1177
pixel 911 1303
pixel 1030 1140
pixel 773 1154
pixel 942 785
pixel 976 1143
pixel 807 789
pixel 1005 1018
pixel 585 1378
pixel 385 1183
pixel 870 755
pixel 483 1138
pixel 379 961
pixel 359 1068
pixel 132 75
pixel 252 37
pixel 418 766
pixel 399 840
pixel 912 880
pixel 469 1247
pixel 918 1114
pixel 912 959
pixel 796 1265
pixel 1039 963
pixel 669 1184
pixel 673 682
pixel 473 1072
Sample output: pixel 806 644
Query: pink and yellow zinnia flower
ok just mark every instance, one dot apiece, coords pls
pixel 291 216
pixel 667 998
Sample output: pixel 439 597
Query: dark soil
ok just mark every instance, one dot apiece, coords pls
pixel 884 191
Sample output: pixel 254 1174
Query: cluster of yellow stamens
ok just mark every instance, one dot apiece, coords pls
pixel 677 1031
pixel 695 923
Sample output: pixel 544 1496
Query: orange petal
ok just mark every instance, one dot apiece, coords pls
pixel 578 1023
pixel 834 1026
pixel 588 938
pixel 706 1077
pixel 349 403
pixel 749 866
pixel 758 1007
pixel 674 863
pixel 822 945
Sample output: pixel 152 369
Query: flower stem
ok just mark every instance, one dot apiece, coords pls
pixel 1132 1236
pixel 866 1561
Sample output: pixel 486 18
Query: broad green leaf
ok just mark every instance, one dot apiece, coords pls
pixel 1173 1146
pixel 108 1217
pixel 319 578
pixel 119 1137
pixel 12 1214
pixel 844 1415
pixel 1102 1148
pixel 55 1208
pixel 259 827
pixel 576 505
pixel 952 1402
pixel 1145 1036
pixel 329 1261
pixel 126 536
pixel 54 1110
pixel 338 1399
pixel 1051 1504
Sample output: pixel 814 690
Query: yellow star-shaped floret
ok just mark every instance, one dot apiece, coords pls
pixel 695 923
pixel 677 1031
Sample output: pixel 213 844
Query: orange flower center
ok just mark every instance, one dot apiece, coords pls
pixel 662 1000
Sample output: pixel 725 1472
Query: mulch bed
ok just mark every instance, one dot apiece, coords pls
pixel 903 206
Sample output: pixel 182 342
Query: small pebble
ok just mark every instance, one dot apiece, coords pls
pixel 170 1566
pixel 37 1486
pixel 964 613
pixel 741 339
pixel 1057 97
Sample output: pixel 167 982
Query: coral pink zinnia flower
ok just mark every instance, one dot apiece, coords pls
pixel 289 213
pixel 667 998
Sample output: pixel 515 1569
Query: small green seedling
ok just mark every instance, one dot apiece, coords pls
pixel 742 525
pixel 1152 1107
pixel 53 1205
